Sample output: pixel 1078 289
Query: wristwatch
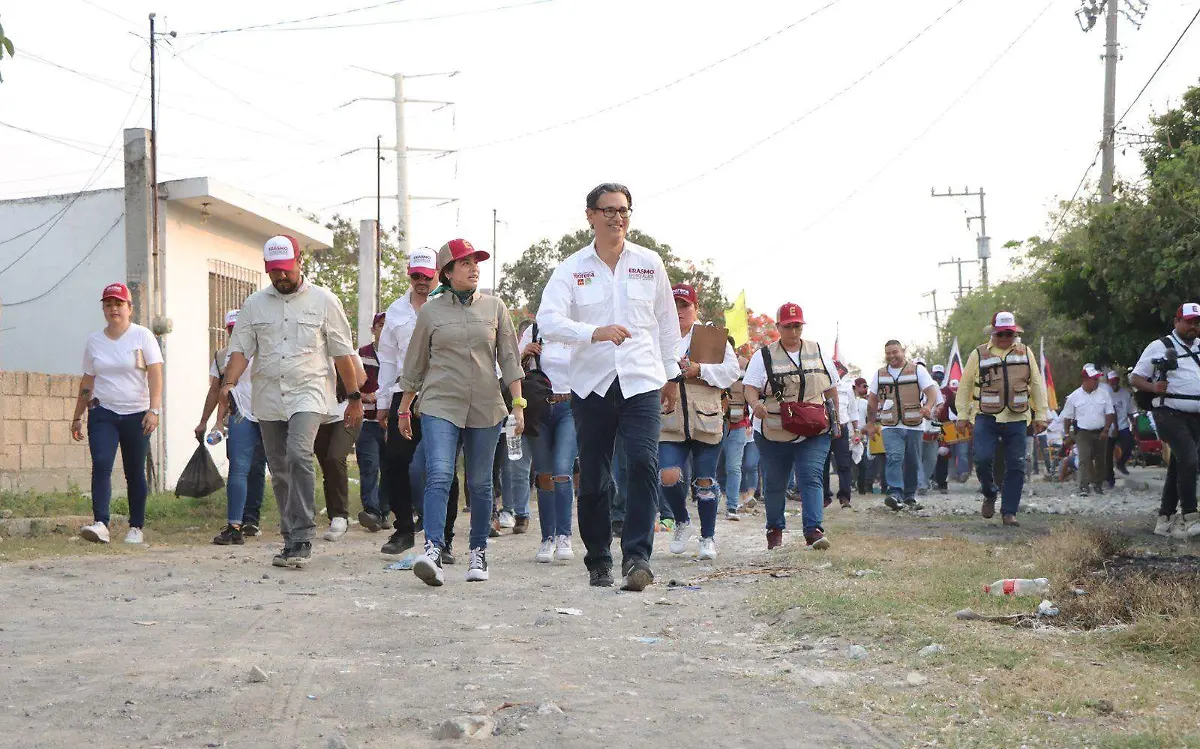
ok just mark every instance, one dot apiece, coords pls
pixel 520 402
pixel 155 411
pixel 355 396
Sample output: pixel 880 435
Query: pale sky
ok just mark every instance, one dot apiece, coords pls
pixel 833 213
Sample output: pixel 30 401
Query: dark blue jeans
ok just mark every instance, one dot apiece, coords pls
pixel 750 462
pixel 704 464
pixel 369 449
pixel 988 436
pixel 806 461
pixel 554 452
pixel 247 471
pixel 106 430
pixel 599 420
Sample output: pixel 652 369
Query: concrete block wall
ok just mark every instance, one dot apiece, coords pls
pixel 36 449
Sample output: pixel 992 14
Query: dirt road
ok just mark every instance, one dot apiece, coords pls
pixel 154 648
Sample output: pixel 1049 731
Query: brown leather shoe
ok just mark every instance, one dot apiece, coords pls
pixel 521 526
pixel 1011 520
pixel 774 538
pixel 988 509
pixel 816 539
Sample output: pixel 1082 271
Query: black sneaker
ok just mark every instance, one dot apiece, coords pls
pixel 913 504
pixel 478 570
pixel 250 529
pixel 399 543
pixel 448 554
pixel 299 554
pixel 892 502
pixel 428 566
pixel 618 527
pixel 638 575
pixel 601 577
pixel 280 559
pixel 229 535
pixel 1124 471
pixel 370 521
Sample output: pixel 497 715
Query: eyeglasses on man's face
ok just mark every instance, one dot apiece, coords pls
pixel 610 212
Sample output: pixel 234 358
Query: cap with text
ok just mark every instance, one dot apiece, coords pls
pixel 1005 321
pixel 1188 311
pixel 686 292
pixel 231 318
pixel 117 291
pixel 1090 371
pixel 457 249
pixel 789 313
pixel 281 253
pixel 422 261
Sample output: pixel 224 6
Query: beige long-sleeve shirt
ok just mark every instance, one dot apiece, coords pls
pixel 291 339
pixel 451 359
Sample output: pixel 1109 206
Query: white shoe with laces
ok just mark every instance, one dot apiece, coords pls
pixel 708 548
pixel 683 532
pixel 1165 525
pixel 97 533
pixel 507 519
pixel 428 566
pixel 562 549
pixel 732 515
pixel 337 529
pixel 545 554
pixel 1186 526
pixel 478 569
pixel 134 536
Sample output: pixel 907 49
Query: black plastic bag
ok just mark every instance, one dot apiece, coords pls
pixel 200 478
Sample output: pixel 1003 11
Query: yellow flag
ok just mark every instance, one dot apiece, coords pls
pixel 737 321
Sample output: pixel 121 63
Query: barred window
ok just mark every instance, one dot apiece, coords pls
pixel 228 287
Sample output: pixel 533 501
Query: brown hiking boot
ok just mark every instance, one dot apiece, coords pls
pixel 774 538
pixel 521 526
pixel 816 539
pixel 988 509
pixel 1010 520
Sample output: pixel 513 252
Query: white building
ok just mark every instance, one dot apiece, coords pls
pixel 62 250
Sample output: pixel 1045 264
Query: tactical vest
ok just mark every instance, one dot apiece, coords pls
pixel 737 402
pixel 806 383
pixel 699 415
pixel 1003 381
pixel 899 397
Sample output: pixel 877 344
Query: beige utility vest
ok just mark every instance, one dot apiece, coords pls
pixel 1003 380
pixel 737 402
pixel 806 383
pixel 699 416
pixel 899 397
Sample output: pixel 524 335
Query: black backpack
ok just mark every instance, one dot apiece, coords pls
pixel 536 390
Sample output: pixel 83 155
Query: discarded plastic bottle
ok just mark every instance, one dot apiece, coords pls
pixel 1018 587
pixel 214 437
pixel 514 439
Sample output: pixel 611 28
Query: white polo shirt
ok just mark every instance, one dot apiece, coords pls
pixel 1088 410
pixel 398 326
pixel 584 294
pixel 1185 380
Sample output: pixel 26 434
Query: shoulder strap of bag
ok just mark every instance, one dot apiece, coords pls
pixel 774 381
pixel 537 358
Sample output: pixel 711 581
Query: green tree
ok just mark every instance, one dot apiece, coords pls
pixel 337 269
pixel 6 45
pixel 524 279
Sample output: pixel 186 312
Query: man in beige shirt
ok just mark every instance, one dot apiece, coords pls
pixel 291 329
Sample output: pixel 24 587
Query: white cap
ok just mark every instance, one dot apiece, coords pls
pixel 231 317
pixel 1090 371
pixel 424 260
pixel 1114 375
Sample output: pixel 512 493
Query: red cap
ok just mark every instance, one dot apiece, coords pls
pixel 281 253
pixel 1188 311
pixel 789 313
pixel 686 292
pixel 117 291
pixel 457 249
pixel 860 381
pixel 379 317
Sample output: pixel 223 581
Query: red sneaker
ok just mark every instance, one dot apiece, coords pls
pixel 774 538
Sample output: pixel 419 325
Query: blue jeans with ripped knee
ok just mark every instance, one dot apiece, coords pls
pixel 704 467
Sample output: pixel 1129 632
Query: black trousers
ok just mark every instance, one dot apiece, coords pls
pixel 396 486
pixel 865 471
pixel 839 457
pixel 1124 441
pixel 1181 431
pixel 941 471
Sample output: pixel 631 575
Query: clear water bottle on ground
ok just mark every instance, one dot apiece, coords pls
pixel 514 439
pixel 1018 587
pixel 214 437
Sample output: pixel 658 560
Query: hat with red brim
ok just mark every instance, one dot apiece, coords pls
pixel 457 249
pixel 117 291
pixel 281 253
pixel 1004 321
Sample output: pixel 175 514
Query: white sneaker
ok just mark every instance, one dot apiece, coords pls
pixel 562 549
pixel 507 519
pixel 134 536
pixel 1165 525
pixel 683 531
pixel 1187 526
pixel 337 529
pixel 708 548
pixel 428 566
pixel 478 570
pixel 545 554
pixel 732 515
pixel 97 533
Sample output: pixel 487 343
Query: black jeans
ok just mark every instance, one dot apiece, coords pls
pixel 1124 441
pixel 332 445
pixel 599 419
pixel 839 458
pixel 1181 431
pixel 941 471
pixel 865 471
pixel 395 488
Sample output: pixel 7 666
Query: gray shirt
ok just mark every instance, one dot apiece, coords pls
pixel 291 339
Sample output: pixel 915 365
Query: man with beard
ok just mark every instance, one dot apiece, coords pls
pixel 291 329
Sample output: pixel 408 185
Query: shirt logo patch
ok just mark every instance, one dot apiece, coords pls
pixel 641 274
pixel 584 278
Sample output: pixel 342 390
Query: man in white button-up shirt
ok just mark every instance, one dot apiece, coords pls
pixel 1122 436
pixel 1090 409
pixel 612 299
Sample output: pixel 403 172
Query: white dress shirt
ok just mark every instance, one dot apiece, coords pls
pixel 585 294
pixel 398 326
pixel 1185 380
pixel 1123 405
pixel 555 358
pixel 863 407
pixel 847 411
pixel 1088 410
pixel 718 375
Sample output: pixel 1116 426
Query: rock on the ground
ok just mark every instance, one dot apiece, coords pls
pixel 340 742
pixel 549 708
pixel 856 652
pixel 915 679
pixel 933 649
pixel 465 727
pixel 257 675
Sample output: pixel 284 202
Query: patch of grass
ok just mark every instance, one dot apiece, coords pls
pixel 40 505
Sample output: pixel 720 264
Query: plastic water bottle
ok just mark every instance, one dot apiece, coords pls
pixel 1018 587
pixel 214 437
pixel 514 439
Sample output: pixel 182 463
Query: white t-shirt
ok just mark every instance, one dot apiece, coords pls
pixel 120 368
pixel 756 377
pixel 924 380
pixel 1088 410
pixel 241 391
pixel 1185 380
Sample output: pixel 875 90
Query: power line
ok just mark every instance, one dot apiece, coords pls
pixel 52 139
pixel 258 26
pixel 815 109
pixel 74 267
pixel 652 92
pixel 970 87
pixel 118 16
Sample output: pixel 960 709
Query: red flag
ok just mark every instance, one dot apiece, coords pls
pixel 837 345
pixel 954 366
pixel 1051 395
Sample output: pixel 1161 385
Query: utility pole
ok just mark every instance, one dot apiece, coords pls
pixel 154 283
pixel 960 263
pixel 983 243
pixel 495 257
pixel 1088 14
pixel 378 219
pixel 937 320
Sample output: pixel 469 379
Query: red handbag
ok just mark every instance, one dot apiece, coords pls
pixel 804 419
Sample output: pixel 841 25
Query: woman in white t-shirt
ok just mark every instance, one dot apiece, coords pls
pixel 121 389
